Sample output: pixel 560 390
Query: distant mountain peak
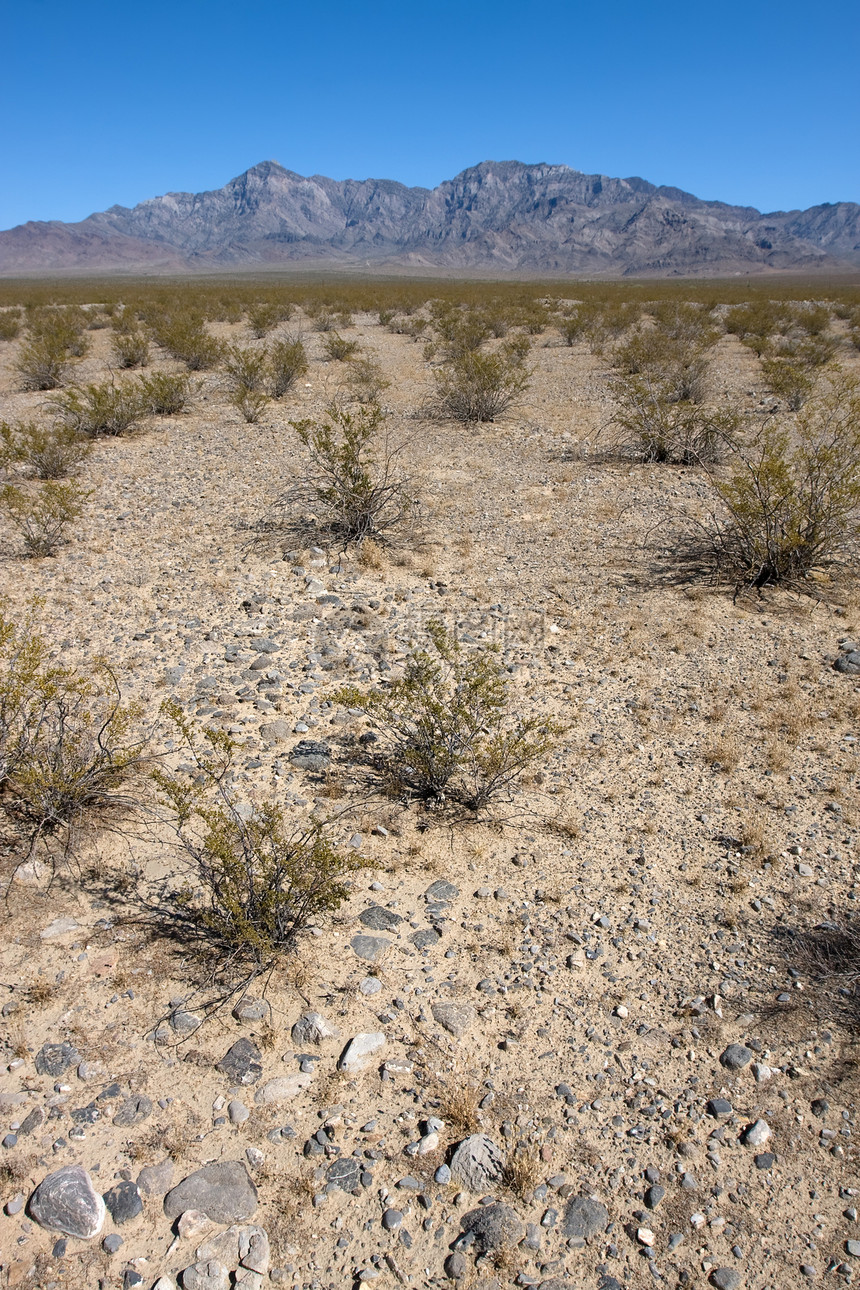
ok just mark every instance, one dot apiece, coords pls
pixel 508 217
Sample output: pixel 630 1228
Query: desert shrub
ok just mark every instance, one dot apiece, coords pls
pixel 338 348
pixel 45 452
pixel 265 317
pixel 250 404
pixel 458 332
pixel 476 386
pixel 759 319
pixel 42 515
pixel 42 364
pixel 385 316
pixel 166 393
pixel 788 380
pixel 247 374
pixel 792 496
pixel 130 348
pixel 353 483
pixel 814 320
pixel 288 361
pixel 254 883
pixel 609 321
pixel 574 326
pixel 808 351
pixel 324 320
pixel 184 337
pixel 100 410
pixel 66 743
pixel 855 337
pixel 678 364
pixel 10 324
pixel 447 733
pixel 650 421
pixel 63 327
pixel 365 380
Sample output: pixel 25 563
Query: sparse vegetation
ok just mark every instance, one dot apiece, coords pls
pixel 42 515
pixel 44 452
pixel 166 393
pixel 112 408
pixel 482 386
pixel 288 361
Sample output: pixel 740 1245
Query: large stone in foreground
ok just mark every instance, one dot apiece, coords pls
pixel 456 1018
pixel 584 1217
pixel 360 1050
pixel 222 1190
pixel 477 1162
pixel 66 1201
pixel 494 1226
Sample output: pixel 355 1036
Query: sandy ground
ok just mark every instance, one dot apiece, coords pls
pixel 611 934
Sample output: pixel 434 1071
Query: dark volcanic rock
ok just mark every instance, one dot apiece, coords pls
pixel 223 1191
pixel 494 1226
pixel 54 1059
pixel 584 1217
pixel 123 1202
pixel 242 1062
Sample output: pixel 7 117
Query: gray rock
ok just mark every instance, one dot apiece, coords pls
pixel 243 1063
pixel 282 1089
pixel 735 1057
pixel 391 1219
pixel 360 1050
pixel 456 1018
pixel 111 1244
pixel 310 755
pixel 344 1172
pixel 254 1251
pixel 441 890
pixel 134 1110
pixel 155 1180
pixel 654 1195
pixel 425 937
pixel 224 1191
pixel 494 1226
pixel 765 1160
pixel 312 1028
pixel 237 1111
pixel 442 1175
pixel 370 985
pixel 251 1010
pixel 185 1023
pixel 274 732
pixel 67 1202
pixel 584 1217
pixel 372 948
pixel 456 1266
pixel 726 1279
pixel 853 1248
pixel 55 1059
pixel 719 1107
pixel 477 1163
pixel 123 1202
pixel 211 1275
pixel 757 1134
pixel 380 919
pixel 849 664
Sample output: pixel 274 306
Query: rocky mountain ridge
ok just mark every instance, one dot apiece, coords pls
pixel 497 217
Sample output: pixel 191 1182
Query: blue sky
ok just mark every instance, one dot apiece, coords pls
pixel 753 103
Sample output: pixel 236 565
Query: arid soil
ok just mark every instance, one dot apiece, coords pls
pixel 602 944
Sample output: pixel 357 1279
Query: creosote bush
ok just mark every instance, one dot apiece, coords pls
pixel 482 386
pixel 44 452
pixel 791 496
pixel 247 374
pixel 353 484
pixel 67 750
pixel 651 423
pixel 254 883
pixel 43 363
pixel 130 348
pixel 166 393
pixel 42 515
pixel 337 348
pixel 365 380
pixel 98 410
pixel 447 733
pixel 10 324
pixel 288 361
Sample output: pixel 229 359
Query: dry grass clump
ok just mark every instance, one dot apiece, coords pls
pixel 522 1172
pixel 459 1107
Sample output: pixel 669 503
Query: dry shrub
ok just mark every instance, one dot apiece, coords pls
pixel 458 1107
pixel 45 452
pixel 42 515
pixel 522 1173
pixel 94 410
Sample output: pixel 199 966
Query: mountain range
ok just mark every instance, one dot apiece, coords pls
pixel 496 218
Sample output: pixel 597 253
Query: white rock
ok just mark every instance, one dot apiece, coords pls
pixel 757 1134
pixel 360 1050
pixel 428 1143
pixel 761 1072
pixel 283 1089
pixel 59 927
pixel 644 1236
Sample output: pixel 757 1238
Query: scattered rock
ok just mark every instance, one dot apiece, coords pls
pixel 67 1202
pixel 456 1018
pixel 441 890
pixel 726 1278
pixel 494 1226
pixel 206 1276
pixel 248 1009
pixel 243 1062
pixel 360 1050
pixel 59 927
pixel 312 1028
pixel 372 948
pixel 735 1057
pixel 477 1163
pixel 282 1089
pixel 380 919
pixel 310 755
pixel 584 1217
pixel 55 1059
pixel 123 1202
pixel 757 1134
pixel 223 1191
pixel 134 1110
pixel 344 1172
pixel 155 1180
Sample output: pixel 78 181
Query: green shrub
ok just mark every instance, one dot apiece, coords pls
pixel 42 516
pixel 246 368
pixel 760 319
pixel 652 423
pixel 385 316
pixel 64 328
pixel 100 410
pixel 814 320
pixel 476 386
pixel 66 747
pixel 10 324
pixel 677 364
pixel 42 364
pixel 447 733
pixel 792 497
pixel 337 348
pixel 166 394
pixel 788 380
pixel 185 338
pixel 365 380
pixel 45 452
pixel 265 317
pixel 353 484
pixel 288 361
pixel 254 883
pixel 131 349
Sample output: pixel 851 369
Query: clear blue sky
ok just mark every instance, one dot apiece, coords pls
pixel 103 102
